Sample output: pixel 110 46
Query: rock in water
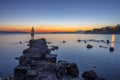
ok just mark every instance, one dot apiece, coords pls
pixel 91 75
pixel 72 70
pixel 89 46
pixel 108 41
pixel 111 49
pixel 66 68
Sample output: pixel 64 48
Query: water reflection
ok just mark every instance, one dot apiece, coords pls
pixel 112 43
pixel 112 40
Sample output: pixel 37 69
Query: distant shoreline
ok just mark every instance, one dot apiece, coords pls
pixel 57 33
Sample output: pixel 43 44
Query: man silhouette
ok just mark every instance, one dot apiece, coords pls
pixel 32 33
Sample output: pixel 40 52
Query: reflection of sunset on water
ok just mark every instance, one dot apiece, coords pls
pixel 112 40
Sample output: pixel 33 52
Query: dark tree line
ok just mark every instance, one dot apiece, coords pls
pixel 105 30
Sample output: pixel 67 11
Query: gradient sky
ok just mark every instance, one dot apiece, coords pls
pixel 51 15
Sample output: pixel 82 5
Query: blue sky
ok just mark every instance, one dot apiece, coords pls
pixel 59 12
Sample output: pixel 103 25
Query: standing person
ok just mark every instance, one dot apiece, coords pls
pixel 32 33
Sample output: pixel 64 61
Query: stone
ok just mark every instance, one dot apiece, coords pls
pixel 31 74
pixel 89 75
pixel 24 60
pixel 26 51
pixel 72 70
pixel 66 68
pixel 37 57
pixel 64 41
pixel 108 41
pixel 54 48
pixel 89 46
pixel 20 72
pixel 17 58
pixel 51 58
pixel 111 49
pixel 79 40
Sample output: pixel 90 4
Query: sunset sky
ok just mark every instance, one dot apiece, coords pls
pixel 58 15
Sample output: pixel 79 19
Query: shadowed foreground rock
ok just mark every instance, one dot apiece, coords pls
pixel 37 63
pixel 91 75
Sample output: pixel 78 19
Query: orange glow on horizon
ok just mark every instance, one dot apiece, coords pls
pixel 43 28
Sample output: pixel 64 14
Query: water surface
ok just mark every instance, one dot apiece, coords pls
pixel 106 62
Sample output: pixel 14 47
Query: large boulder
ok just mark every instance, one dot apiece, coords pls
pixel 72 70
pixel 91 75
pixel 20 72
pixel 66 68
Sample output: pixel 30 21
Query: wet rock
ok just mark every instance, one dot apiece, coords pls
pixel 20 72
pixel 72 70
pixel 108 41
pixel 89 46
pixel 66 68
pixel 111 49
pixel 93 66
pixel 17 58
pixel 102 41
pixel 24 60
pixel 51 58
pixel 102 46
pixel 49 42
pixel 37 57
pixel 26 51
pixel 89 75
pixel 46 76
pixel 64 41
pixel 31 74
pixel 20 42
pixel 54 48
pixel 79 40
pixel 85 41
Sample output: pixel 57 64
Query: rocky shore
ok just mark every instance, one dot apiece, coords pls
pixel 37 63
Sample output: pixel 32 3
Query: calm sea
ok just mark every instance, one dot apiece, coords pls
pixel 99 59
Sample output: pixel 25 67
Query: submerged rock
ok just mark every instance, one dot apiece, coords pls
pixel 89 46
pixel 64 41
pixel 79 40
pixel 108 41
pixel 85 41
pixel 102 46
pixel 17 58
pixel 54 48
